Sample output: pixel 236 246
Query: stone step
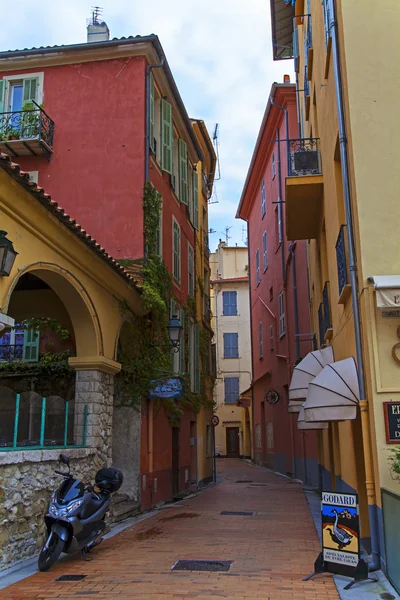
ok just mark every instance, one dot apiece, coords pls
pixel 125 510
pixel 118 498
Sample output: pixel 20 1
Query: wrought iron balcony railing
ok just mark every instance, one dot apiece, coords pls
pixel 305 157
pixel 11 352
pixel 321 325
pixel 327 308
pixel 26 132
pixel 341 260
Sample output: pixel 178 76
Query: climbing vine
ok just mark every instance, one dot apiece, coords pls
pixel 394 460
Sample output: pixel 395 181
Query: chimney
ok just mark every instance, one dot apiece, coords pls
pixel 97 30
pixel 286 79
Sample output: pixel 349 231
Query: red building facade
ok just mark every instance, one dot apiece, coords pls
pixel 111 118
pixel 279 298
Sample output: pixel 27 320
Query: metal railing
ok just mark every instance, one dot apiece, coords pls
pixel 327 309
pixel 40 442
pixel 321 325
pixel 27 125
pixel 341 260
pixel 305 157
pixel 306 84
pixel 11 352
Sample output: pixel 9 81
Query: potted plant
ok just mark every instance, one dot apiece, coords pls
pixel 30 119
pixel 394 460
pixel 13 134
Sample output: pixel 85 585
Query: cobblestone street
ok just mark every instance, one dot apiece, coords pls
pixel 271 551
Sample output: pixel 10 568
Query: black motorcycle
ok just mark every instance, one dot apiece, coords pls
pixel 75 517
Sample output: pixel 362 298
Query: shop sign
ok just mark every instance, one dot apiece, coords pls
pixel 340 530
pixel 392 422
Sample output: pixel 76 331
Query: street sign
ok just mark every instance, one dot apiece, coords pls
pixel 214 420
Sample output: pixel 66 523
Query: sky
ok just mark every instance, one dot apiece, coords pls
pixel 220 54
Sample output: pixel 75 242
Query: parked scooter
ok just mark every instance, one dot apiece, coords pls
pixel 75 517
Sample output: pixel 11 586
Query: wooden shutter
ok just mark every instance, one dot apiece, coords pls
pixel 196 359
pixel 2 94
pixel 30 91
pixel 31 345
pixel 182 343
pixel 195 200
pixel 151 114
pixel 183 180
pixel 166 130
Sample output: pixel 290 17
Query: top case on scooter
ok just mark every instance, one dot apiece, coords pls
pixel 109 480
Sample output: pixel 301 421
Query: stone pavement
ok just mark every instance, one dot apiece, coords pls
pixel 270 551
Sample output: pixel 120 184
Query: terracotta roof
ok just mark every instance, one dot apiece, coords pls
pixel 14 170
pixel 35 50
pixel 230 279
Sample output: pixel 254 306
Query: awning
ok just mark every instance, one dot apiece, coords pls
pixel 303 424
pixel 387 289
pixel 334 394
pixel 304 373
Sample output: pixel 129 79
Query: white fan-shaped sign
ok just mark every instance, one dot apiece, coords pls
pixel 334 394
pixel 304 373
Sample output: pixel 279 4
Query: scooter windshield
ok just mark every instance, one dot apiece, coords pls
pixel 69 490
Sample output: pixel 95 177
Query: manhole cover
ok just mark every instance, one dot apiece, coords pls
pixel 238 513
pixel 202 565
pixel 71 577
pixel 244 481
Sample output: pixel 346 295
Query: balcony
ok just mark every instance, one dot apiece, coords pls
pixel 11 352
pixel 26 133
pixel 304 190
pixel 342 266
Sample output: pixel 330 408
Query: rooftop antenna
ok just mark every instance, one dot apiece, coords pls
pixel 216 145
pixel 226 234
pixel 96 13
pixel 211 230
pixel 244 235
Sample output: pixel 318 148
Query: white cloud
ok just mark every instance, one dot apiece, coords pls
pixel 220 53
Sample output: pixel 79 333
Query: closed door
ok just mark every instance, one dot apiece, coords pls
pixel 232 442
pixel 175 460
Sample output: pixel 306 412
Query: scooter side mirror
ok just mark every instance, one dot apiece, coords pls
pixel 64 459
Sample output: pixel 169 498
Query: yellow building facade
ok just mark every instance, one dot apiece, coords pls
pixel 230 305
pixel 342 195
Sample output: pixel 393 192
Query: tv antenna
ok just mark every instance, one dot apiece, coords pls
pixel 244 235
pixel 96 13
pixel 211 230
pixel 226 234
pixel 216 146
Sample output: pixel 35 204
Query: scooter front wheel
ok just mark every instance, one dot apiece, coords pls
pixel 49 555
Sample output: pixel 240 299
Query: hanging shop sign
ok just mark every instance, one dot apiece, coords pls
pixel 392 422
pixel 340 539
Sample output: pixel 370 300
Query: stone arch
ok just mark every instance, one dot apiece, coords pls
pixel 77 301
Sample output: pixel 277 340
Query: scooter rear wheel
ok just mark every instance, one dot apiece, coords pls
pixel 49 556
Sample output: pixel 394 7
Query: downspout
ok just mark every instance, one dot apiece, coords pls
pixel 147 139
pixel 253 447
pixel 366 434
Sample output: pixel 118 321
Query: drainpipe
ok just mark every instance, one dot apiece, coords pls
pixel 366 432
pixel 147 140
pixel 253 447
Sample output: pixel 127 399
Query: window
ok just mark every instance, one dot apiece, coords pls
pixel 273 165
pixel 265 251
pixel 166 136
pixel 278 222
pixel 231 389
pixel 271 293
pixel 327 19
pixel 258 276
pixel 271 337
pixel 263 199
pixel 229 304
pixel 159 235
pixel 183 173
pixel 191 270
pixel 33 176
pixel 213 359
pixel 281 314
pixel 176 269
pixel 231 345
pixel 195 183
pixel 260 340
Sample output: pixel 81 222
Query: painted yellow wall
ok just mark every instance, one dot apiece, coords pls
pixel 90 290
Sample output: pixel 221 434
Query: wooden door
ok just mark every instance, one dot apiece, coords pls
pixel 232 442
pixel 175 460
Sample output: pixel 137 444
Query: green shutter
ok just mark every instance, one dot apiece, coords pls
pixel 30 90
pixel 182 343
pixel 31 345
pixel 2 94
pixel 166 132
pixel 196 359
pixel 191 198
pixel 195 200
pixel 183 178
pixel 151 114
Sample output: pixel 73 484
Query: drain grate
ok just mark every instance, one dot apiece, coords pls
pixel 202 565
pixel 244 481
pixel 71 577
pixel 238 513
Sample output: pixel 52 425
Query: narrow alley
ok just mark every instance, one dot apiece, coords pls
pixel 272 548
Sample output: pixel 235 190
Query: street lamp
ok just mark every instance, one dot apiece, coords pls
pixel 7 254
pixel 175 329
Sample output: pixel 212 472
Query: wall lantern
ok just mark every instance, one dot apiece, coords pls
pixel 175 329
pixel 7 255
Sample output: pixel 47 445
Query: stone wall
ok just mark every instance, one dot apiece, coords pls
pixel 126 448
pixel 27 481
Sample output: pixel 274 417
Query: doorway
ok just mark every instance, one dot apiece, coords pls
pixel 175 460
pixel 232 442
